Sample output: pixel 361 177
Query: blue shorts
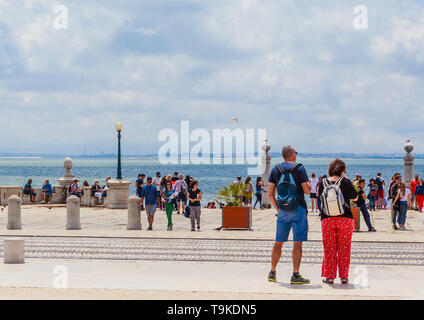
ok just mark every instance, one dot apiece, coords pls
pixel 296 219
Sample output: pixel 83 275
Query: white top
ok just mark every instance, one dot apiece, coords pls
pixel 156 182
pixel 407 193
pixel 314 183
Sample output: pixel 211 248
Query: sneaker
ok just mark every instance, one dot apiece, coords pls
pixel 402 228
pixel 395 227
pixel 169 228
pixel 298 279
pixel 272 276
pixel 150 227
pixel 192 229
pixel 198 227
pixel 372 230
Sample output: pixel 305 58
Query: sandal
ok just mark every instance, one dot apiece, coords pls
pixel 328 281
pixel 345 280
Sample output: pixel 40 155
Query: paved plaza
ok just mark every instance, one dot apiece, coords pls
pixel 106 261
pixel 44 220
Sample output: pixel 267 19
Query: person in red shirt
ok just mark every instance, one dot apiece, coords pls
pixel 412 187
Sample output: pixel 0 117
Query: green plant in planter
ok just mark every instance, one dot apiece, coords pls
pixel 232 194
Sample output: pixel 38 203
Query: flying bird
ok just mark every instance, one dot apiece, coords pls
pixel 235 119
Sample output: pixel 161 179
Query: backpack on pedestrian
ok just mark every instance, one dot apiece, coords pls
pixel 287 194
pixel 332 202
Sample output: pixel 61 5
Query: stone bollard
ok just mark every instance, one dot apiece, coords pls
pixel 14 250
pixel 14 212
pixel 134 213
pixel 73 213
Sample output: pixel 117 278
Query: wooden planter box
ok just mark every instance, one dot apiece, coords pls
pixel 237 218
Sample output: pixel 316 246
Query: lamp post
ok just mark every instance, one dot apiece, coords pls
pixel 119 127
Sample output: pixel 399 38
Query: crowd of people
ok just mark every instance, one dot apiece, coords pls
pixel 100 192
pixel 171 193
pixel 333 196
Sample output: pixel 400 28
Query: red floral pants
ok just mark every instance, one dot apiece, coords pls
pixel 336 238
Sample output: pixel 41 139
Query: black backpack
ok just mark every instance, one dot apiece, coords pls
pixel 187 212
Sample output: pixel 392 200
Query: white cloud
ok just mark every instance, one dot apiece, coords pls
pixel 297 68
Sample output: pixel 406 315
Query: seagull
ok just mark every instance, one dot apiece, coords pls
pixel 235 119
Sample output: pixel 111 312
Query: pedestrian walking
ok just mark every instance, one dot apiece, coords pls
pixel 404 197
pixel 419 194
pixel 194 198
pixel 259 188
pixel 149 194
pixel 314 182
pixel 167 198
pixel 363 206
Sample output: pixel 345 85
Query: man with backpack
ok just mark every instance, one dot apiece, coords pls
pixel 288 184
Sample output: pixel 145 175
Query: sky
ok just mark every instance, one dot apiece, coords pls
pixel 298 68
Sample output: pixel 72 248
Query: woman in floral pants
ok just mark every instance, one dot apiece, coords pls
pixel 337 231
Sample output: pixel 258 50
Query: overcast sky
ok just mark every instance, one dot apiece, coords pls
pixel 297 68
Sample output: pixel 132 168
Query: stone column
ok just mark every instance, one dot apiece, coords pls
pixel 14 212
pixel 86 197
pixel 65 181
pixel 118 193
pixel 134 213
pixel 14 250
pixel 266 168
pixel 73 213
pixel 408 163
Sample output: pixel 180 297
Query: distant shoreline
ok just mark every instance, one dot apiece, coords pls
pixel 273 155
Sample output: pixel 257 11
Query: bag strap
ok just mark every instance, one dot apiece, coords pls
pixel 280 169
pixel 294 167
pixel 339 181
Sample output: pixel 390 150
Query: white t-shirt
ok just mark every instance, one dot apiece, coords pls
pixel 314 183
pixel 407 193
pixel 156 182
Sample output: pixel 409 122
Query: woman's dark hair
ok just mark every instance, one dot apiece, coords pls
pixel 167 183
pixel 194 183
pixel 258 179
pixel 336 168
pixel 247 180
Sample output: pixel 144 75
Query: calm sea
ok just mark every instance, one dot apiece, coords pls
pixel 15 171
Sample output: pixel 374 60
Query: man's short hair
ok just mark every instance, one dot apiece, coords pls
pixel 288 151
pixel 361 181
pixel 149 179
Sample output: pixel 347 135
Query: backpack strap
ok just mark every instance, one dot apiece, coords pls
pixel 294 167
pixel 325 182
pixel 280 169
pixel 339 181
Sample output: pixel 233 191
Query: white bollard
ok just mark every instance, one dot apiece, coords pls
pixel 73 213
pixel 134 213
pixel 14 212
pixel 14 250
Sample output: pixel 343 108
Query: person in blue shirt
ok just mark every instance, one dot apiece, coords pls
pixel 295 219
pixel 149 193
pixel 47 191
pixel 139 184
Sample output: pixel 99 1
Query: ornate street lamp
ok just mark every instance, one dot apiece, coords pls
pixel 119 128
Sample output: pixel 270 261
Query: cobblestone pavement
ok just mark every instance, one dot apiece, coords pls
pixel 367 253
